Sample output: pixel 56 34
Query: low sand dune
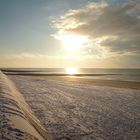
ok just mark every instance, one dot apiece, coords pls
pixel 17 121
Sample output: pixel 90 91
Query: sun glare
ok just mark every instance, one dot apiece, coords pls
pixel 73 42
pixel 71 71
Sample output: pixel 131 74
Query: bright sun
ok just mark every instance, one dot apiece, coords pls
pixel 71 71
pixel 73 41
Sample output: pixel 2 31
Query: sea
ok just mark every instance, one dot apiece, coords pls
pixel 96 73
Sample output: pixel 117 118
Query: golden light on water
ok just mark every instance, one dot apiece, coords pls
pixel 71 71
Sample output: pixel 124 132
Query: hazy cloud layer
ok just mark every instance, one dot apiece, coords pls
pixel 117 26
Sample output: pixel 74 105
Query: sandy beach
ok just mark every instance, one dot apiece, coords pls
pixel 83 109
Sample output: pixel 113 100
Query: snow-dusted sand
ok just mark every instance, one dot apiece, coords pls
pixel 80 111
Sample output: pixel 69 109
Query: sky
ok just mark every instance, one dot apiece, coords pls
pixel 70 33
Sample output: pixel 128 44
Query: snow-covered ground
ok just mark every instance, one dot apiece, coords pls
pixel 79 111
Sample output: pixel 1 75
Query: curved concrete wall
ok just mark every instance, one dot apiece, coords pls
pixel 17 121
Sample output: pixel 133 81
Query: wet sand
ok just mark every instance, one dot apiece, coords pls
pixel 99 82
pixel 83 109
pixel 82 78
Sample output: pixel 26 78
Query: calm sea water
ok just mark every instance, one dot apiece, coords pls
pixel 115 74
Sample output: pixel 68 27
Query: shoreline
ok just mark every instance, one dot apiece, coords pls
pixel 98 82
pixel 85 80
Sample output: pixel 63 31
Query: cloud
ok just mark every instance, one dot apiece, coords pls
pixel 117 26
pixel 123 45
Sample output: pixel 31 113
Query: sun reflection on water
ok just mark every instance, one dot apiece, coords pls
pixel 71 71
